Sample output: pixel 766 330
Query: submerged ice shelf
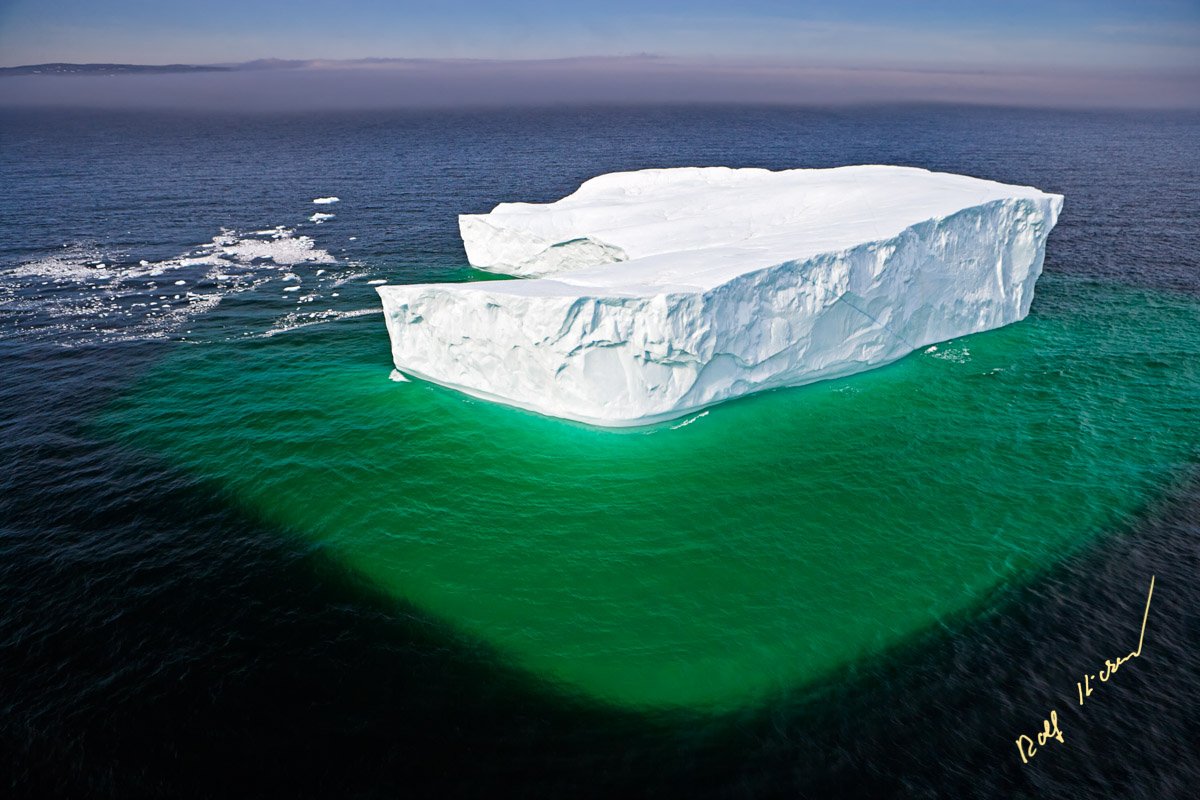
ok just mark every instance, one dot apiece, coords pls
pixel 656 293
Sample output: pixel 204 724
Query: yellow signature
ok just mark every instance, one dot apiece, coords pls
pixel 1050 728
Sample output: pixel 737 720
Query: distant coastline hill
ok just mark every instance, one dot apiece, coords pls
pixel 110 69
pixel 164 69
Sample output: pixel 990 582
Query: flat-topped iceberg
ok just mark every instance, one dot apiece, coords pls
pixel 663 291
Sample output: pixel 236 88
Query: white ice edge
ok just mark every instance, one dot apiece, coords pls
pixel 673 290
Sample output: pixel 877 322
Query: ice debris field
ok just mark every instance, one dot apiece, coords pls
pixel 655 293
pixel 83 293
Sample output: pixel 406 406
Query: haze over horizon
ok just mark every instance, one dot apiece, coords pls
pixel 1059 53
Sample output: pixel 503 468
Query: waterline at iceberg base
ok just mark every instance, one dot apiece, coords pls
pixel 661 292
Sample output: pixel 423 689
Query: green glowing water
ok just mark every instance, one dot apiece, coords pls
pixel 714 563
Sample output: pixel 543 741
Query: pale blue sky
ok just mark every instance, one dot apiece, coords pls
pixel 1073 34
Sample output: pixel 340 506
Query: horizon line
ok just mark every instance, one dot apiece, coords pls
pixel 640 79
pixel 692 60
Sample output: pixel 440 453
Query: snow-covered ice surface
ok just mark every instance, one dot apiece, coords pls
pixel 660 292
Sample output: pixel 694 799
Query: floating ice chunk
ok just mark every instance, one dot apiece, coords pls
pixel 278 232
pixel 377 282
pixel 324 201
pixel 397 376
pixel 689 421
pixel 666 291
pixel 319 217
pixel 284 250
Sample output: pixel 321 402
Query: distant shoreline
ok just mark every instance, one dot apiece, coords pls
pixel 109 69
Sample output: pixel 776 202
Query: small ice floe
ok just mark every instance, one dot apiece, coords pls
pixel 397 376
pixel 377 282
pixel 324 201
pixel 291 288
pixel 354 238
pixel 284 250
pixel 180 283
pixel 931 349
pixel 318 217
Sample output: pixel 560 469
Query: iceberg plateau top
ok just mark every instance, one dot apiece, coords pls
pixel 694 228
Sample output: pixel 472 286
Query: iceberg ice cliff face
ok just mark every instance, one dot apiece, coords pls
pixel 660 292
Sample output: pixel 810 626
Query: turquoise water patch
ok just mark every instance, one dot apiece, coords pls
pixel 715 560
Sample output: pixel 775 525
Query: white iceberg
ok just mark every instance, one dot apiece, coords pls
pixel 663 291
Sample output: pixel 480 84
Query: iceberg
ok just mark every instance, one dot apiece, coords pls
pixel 652 294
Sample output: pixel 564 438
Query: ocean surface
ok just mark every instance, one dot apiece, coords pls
pixel 238 559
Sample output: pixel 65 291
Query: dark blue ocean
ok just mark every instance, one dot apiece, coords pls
pixel 176 622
